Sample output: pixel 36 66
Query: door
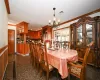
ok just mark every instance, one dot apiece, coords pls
pixel 11 41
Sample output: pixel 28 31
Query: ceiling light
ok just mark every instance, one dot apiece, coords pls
pixel 55 22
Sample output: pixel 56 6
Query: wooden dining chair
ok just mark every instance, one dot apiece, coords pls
pixel 36 56
pixel 57 44
pixel 44 61
pixel 66 44
pixel 31 53
pixel 78 69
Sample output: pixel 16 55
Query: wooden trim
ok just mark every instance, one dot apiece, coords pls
pixel 3 61
pixel 95 11
pixel 3 48
pixel 7 6
pixel 61 28
pixel 11 25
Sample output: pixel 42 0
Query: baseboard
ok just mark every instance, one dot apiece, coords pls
pixel 23 54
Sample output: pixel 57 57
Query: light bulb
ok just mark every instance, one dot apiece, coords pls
pixel 58 20
pixel 54 19
pixel 56 23
pixel 49 21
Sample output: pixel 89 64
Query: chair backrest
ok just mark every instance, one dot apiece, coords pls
pixel 86 54
pixel 43 54
pixel 31 49
pixel 57 44
pixel 36 47
pixel 82 76
pixel 31 54
pixel 66 44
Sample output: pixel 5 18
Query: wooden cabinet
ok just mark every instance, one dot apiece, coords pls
pixel 47 33
pixel 84 31
pixel 97 40
pixel 22 45
pixel 22 28
pixel 23 48
pixel 34 34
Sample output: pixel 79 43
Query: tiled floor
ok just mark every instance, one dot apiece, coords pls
pixel 25 71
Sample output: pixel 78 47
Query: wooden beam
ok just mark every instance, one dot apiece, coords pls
pixel 7 6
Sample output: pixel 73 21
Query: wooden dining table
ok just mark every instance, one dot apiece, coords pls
pixel 59 58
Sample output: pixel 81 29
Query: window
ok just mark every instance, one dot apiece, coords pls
pixel 61 35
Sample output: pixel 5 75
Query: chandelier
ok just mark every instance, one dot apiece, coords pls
pixel 55 22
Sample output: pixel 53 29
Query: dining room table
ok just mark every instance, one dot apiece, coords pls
pixel 58 58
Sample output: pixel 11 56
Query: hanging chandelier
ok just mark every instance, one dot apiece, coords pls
pixel 55 21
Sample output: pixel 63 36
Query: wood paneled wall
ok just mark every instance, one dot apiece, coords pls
pixel 3 61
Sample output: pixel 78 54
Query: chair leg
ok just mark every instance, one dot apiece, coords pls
pixel 38 66
pixel 40 72
pixel 34 62
pixel 68 76
pixel 47 78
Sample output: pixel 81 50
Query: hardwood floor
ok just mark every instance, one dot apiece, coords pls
pixel 25 71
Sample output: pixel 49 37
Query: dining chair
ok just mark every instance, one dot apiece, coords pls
pixel 31 53
pixel 66 44
pixel 78 69
pixel 44 65
pixel 82 50
pixel 57 44
pixel 36 55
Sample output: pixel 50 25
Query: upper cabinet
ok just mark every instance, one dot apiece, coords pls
pixel 22 28
pixel 89 33
pixel 34 34
pixel 79 35
pixel 83 32
pixel 46 33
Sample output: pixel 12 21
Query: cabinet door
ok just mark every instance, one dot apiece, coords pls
pixel 98 39
pixel 89 33
pixel 79 35
pixel 25 28
pixel 98 33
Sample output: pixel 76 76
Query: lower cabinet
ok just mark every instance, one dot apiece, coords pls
pixel 23 48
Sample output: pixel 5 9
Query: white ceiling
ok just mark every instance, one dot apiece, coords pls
pixel 38 12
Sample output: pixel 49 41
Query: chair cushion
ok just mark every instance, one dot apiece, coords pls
pixel 76 70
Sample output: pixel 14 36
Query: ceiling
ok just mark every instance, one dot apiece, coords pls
pixel 38 12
